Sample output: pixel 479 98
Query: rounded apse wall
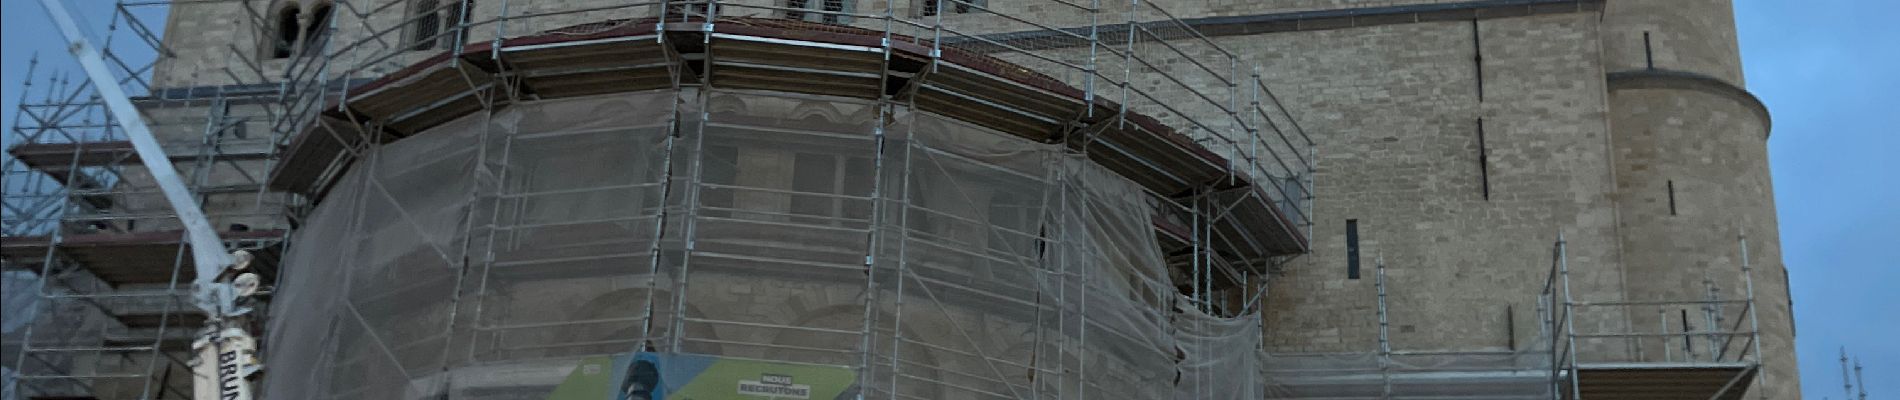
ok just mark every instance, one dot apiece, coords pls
pixel 1692 176
pixel 487 257
pixel 1691 164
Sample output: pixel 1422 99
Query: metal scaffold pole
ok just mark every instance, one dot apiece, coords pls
pixel 1570 323
pixel 1859 379
pixel 1754 323
pixel 867 343
pixel 1847 386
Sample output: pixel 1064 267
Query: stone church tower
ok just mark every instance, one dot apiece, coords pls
pixel 1555 196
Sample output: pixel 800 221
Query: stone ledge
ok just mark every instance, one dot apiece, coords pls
pixel 1298 21
pixel 1684 80
pixel 1388 15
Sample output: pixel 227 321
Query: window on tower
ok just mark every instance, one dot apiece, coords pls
pixel 826 11
pixel 433 23
pixel 934 7
pixel 315 33
pixel 283 36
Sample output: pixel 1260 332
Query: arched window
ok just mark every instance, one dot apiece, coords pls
pixel 797 10
pixel 316 33
pixel 283 31
pixel 433 22
pixel 933 7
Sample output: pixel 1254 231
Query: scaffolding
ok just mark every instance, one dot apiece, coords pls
pixel 1386 372
pixel 104 308
pixel 993 168
pixel 1584 348
pixel 1122 119
pixel 1611 360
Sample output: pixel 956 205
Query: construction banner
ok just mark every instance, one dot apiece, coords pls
pixel 662 376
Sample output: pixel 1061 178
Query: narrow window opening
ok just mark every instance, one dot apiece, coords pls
pixel 1484 162
pixel 1477 58
pixel 1352 249
pixel 284 35
pixel 316 34
pixel 1672 197
pixel 1510 327
pixel 1649 56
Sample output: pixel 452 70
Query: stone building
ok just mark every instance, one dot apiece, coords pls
pixel 1349 199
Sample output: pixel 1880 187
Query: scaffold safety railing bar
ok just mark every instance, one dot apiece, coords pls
pixel 1564 308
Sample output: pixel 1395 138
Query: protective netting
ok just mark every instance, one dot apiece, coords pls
pixel 19 303
pixel 1410 375
pixel 1221 359
pixel 19 300
pixel 501 255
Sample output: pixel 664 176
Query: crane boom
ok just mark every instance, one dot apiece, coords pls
pixel 207 251
pixel 226 354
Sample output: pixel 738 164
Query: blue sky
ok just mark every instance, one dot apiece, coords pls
pixel 1829 71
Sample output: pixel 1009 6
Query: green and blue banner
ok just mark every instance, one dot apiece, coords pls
pixel 675 376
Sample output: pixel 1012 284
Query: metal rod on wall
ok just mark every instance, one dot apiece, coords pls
pixel 1385 343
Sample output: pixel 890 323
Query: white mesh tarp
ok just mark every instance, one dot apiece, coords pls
pixel 1500 375
pixel 19 300
pixel 1220 356
pixel 19 307
pixel 483 258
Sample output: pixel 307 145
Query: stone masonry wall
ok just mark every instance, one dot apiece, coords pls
pixel 1402 158
pixel 205 38
pixel 1684 35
